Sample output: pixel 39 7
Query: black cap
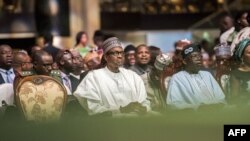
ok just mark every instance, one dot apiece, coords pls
pixel 188 49
pixel 129 48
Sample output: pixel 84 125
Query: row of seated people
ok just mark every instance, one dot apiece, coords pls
pixel 112 89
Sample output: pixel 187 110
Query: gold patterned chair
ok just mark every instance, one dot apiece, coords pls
pixel 40 98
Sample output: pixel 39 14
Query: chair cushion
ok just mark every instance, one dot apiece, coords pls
pixel 41 100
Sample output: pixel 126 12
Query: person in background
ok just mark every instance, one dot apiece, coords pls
pixel 21 62
pixel 192 88
pixel 42 65
pixel 154 51
pixel 7 74
pixel 177 58
pixel 238 25
pixel 168 72
pixel 226 27
pixel 42 62
pixel 98 39
pixel 223 67
pixel 240 78
pixel 142 55
pixel 244 31
pixel 49 47
pixel 113 90
pixel 79 62
pixel 40 41
pixel 34 49
pixel 154 84
pixel 129 56
pixel 77 73
pixel 92 61
pixel 66 64
pixel 81 44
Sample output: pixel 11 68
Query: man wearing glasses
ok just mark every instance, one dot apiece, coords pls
pixel 21 62
pixel 42 65
pixel 113 89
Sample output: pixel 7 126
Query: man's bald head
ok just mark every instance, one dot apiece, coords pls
pixel 21 61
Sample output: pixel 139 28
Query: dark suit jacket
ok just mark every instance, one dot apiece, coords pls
pixel 1 79
pixel 75 82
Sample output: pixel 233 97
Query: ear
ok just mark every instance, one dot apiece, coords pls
pixel 105 58
pixel 61 62
pixel 184 61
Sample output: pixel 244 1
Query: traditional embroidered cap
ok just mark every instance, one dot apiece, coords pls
pixel 182 43
pixel 111 43
pixel 162 61
pixel 222 50
pixel 240 47
pixel 188 49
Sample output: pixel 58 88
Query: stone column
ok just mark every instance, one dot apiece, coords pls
pixel 84 16
pixel 91 17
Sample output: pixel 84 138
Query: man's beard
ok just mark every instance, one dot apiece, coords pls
pixel 118 64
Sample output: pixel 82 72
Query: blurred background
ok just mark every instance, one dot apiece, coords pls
pixel 153 22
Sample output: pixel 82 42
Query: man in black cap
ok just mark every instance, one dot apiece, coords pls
pixel 191 87
pixel 129 56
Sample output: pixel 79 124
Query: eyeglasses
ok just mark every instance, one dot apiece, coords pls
pixel 26 63
pixel 116 53
pixel 47 65
pixel 22 63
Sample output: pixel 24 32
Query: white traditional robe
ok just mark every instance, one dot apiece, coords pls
pixel 6 94
pixel 243 34
pixel 224 36
pixel 166 82
pixel 102 90
pixel 191 90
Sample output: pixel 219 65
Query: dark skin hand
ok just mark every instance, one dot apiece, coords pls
pixel 134 107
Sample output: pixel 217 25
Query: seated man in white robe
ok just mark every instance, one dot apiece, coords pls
pixel 192 87
pixel 113 89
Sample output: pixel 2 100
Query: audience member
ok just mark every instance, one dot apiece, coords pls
pixel 153 82
pixel 142 55
pixel 49 47
pixel 81 44
pixel 129 56
pixel 240 78
pixel 192 87
pixel 113 89
pixel 7 74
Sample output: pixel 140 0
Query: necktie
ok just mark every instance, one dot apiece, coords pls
pixel 67 82
pixel 8 77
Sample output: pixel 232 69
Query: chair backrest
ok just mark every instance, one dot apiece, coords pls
pixel 40 98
